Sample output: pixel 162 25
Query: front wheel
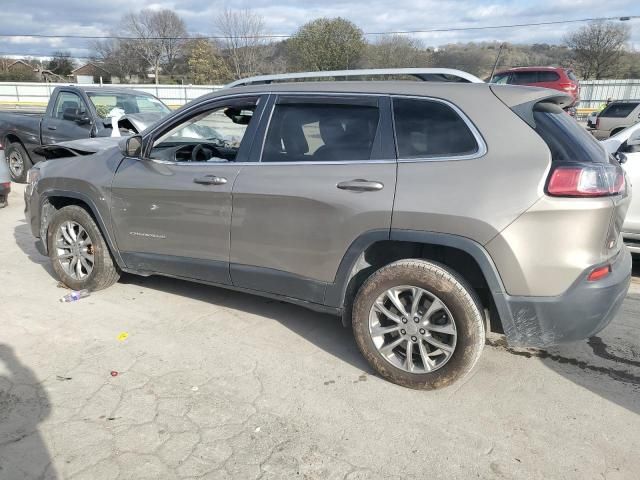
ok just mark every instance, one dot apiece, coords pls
pixel 19 162
pixel 79 255
pixel 418 324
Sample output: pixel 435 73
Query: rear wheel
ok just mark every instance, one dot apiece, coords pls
pixel 418 324
pixel 78 252
pixel 3 201
pixel 19 162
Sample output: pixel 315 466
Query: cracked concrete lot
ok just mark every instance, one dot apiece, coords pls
pixel 214 384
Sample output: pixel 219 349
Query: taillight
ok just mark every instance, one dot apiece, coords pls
pixel 568 87
pixel 597 122
pixel 598 180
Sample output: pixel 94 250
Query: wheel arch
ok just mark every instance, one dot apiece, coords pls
pixel 376 249
pixel 57 199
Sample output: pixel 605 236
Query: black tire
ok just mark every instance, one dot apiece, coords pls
pixel 3 201
pixel 616 131
pixel 453 292
pixel 104 273
pixel 17 150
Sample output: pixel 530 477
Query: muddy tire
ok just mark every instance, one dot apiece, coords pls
pixel 19 162
pixel 78 252
pixel 426 305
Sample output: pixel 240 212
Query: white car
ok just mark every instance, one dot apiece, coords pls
pixel 627 143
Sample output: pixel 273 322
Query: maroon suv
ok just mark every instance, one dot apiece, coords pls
pixel 562 79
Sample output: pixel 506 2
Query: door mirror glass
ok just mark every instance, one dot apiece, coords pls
pixel 131 146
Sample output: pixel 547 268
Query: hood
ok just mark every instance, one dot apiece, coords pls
pixel 73 148
pixel 137 122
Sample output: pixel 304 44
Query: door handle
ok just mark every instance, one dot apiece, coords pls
pixel 360 185
pixel 51 127
pixel 210 180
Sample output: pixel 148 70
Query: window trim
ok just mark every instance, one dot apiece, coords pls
pixel 188 113
pixel 55 106
pixel 380 133
pixel 482 146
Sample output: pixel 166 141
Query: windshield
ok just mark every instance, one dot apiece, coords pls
pixel 112 104
pixel 500 78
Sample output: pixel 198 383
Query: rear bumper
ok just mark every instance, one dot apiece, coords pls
pixel 632 241
pixel 5 188
pixel 582 311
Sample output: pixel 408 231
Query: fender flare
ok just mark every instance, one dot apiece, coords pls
pixel 44 197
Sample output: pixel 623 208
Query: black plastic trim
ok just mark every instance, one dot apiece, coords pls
pixel 277 282
pixel 185 267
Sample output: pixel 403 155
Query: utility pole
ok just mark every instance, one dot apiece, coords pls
pixel 493 70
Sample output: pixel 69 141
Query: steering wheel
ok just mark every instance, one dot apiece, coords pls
pixel 196 151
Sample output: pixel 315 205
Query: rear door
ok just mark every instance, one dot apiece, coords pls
pixel 326 176
pixel 68 119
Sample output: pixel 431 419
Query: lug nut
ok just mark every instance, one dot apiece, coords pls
pixel 416 319
pixel 414 339
pixel 404 320
pixel 422 331
pixel 403 332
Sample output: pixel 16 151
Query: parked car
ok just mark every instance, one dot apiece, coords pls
pixel 420 212
pixel 556 78
pixel 5 180
pixel 626 145
pixel 616 117
pixel 74 112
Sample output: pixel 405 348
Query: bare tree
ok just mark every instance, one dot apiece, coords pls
pixel 396 51
pixel 598 48
pixel 159 37
pixel 118 57
pixel 241 32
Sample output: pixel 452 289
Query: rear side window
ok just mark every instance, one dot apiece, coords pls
pixel 319 131
pixel 572 76
pixel 522 78
pixel 567 140
pixel 546 76
pixel 426 128
pixel 618 110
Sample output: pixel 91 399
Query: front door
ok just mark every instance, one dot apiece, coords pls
pixel 326 176
pixel 172 209
pixel 68 119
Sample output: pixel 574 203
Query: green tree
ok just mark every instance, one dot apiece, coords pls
pixel 205 65
pixel 61 64
pixel 327 44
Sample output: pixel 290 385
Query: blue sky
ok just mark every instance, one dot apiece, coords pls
pixel 99 17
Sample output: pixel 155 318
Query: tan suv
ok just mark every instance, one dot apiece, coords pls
pixel 614 118
pixel 420 212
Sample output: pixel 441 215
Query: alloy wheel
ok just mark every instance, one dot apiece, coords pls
pixel 74 250
pixel 412 329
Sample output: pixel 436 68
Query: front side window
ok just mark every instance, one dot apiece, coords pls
pixel 427 129
pixel 319 131
pixel 69 105
pixel 211 136
pixel 107 105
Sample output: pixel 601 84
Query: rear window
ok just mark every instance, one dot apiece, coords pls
pixel 545 76
pixel 618 110
pixel 425 128
pixel 567 140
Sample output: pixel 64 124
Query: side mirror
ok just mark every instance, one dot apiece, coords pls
pixel 621 157
pixel 131 146
pixel 73 115
pixel 634 139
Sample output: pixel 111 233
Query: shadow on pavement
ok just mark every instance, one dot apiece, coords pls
pixel 26 243
pixel 23 405
pixel 323 330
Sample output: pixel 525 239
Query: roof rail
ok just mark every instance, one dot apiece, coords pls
pixel 425 74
